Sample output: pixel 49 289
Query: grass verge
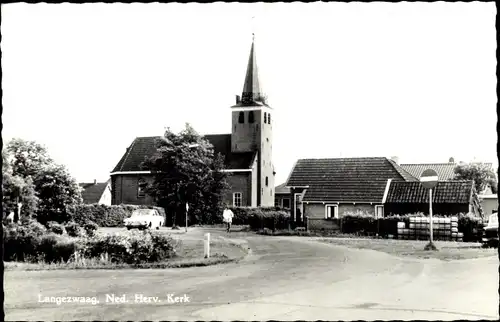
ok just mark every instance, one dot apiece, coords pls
pixel 446 251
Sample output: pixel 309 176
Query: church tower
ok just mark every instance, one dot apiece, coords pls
pixel 252 125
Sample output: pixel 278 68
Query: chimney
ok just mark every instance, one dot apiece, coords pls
pixel 395 159
pixel 95 181
pixel 238 99
pixel 452 160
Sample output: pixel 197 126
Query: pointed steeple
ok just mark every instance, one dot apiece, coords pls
pixel 252 91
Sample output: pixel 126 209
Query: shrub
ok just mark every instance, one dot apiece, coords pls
pixel 74 230
pixel 131 247
pixel 90 228
pixel 55 227
pixel 471 226
pixel 20 243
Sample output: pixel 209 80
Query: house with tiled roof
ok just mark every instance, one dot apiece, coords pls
pixel 96 192
pixel 445 171
pixel 449 197
pixel 247 152
pixel 329 188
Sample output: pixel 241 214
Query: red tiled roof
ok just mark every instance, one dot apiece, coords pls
pixel 92 192
pixel 455 191
pixel 346 179
pixel 145 147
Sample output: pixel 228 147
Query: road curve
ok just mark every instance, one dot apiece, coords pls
pixel 285 278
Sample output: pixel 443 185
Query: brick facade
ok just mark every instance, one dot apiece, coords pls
pixel 124 189
pixel 240 182
pixel 317 211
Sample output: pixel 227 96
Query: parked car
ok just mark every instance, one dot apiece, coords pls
pixel 490 232
pixel 144 219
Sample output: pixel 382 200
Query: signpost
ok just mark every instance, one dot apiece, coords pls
pixel 429 179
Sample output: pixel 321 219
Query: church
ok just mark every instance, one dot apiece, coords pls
pixel 247 152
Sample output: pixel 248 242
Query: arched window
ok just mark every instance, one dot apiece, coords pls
pixel 265 117
pixel 269 119
pixel 241 117
pixel 267 181
pixel 251 118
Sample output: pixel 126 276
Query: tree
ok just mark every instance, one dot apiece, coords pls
pixel 482 175
pixel 28 157
pixel 16 189
pixel 59 194
pixel 186 170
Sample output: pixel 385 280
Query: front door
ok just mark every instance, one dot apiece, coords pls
pixel 299 207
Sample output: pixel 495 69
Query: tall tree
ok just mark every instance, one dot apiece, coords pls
pixel 17 189
pixel 28 157
pixel 482 175
pixel 186 170
pixel 59 194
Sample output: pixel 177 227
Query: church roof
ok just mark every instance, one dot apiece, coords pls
pixel 145 147
pixel 252 93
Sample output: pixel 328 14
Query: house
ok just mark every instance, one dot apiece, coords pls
pixel 96 192
pixel 449 197
pixel 445 171
pixel 282 196
pixel 247 152
pixel 489 203
pixel 329 188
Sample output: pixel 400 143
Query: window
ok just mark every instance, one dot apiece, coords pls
pixel 269 118
pixel 286 203
pixel 237 199
pixel 141 185
pixel 241 117
pixel 251 117
pixel 267 181
pixel 379 211
pixel 265 117
pixel 331 211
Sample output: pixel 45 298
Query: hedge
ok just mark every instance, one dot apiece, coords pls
pixel 107 216
pixel 361 224
pixel 262 217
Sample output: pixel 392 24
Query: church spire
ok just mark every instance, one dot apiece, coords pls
pixel 252 91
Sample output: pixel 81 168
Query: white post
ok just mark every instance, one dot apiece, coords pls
pixel 187 209
pixel 207 245
pixel 430 213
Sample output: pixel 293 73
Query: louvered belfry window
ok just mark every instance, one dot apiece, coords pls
pixel 241 117
pixel 251 117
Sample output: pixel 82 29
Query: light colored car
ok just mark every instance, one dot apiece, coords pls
pixel 144 219
pixel 490 233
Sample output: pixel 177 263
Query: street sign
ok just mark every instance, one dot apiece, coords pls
pixel 429 179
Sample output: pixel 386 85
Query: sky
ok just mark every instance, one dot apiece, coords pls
pixel 413 80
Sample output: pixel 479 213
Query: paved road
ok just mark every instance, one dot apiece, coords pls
pixel 285 278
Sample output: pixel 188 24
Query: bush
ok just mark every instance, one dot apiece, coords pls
pixel 131 247
pixel 21 242
pixel 366 225
pixel 90 228
pixel 55 227
pixel 471 226
pixel 74 230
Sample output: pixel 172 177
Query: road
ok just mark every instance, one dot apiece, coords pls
pixel 285 278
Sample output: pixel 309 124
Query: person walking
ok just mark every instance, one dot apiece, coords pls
pixel 228 218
